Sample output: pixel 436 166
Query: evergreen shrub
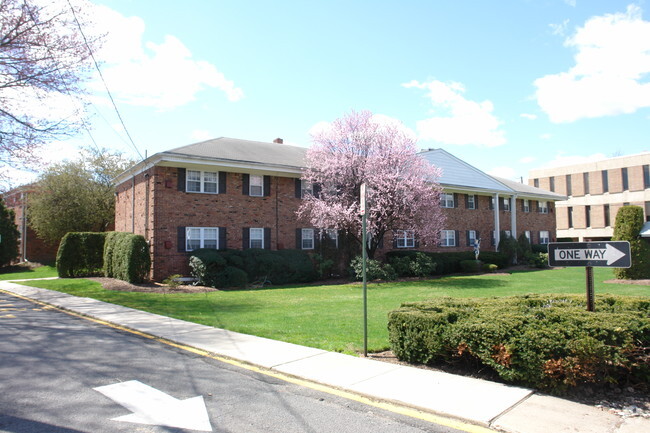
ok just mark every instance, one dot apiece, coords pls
pixel 375 270
pixel 10 235
pixel 629 221
pixel 215 268
pixel 545 341
pixel 80 254
pixel 470 266
pixel 126 257
pixel 449 262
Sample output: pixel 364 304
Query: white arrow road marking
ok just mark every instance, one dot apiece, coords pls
pixel 153 407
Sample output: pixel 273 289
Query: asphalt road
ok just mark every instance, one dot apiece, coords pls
pixel 51 364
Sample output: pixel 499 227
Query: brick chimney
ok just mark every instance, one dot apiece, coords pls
pixel 278 140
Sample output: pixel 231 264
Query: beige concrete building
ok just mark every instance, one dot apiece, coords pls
pixel 596 191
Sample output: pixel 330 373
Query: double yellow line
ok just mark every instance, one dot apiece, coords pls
pixel 391 407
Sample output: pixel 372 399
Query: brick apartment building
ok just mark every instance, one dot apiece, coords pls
pixel 595 191
pixel 31 248
pixel 231 193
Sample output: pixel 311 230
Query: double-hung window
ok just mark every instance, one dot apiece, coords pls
pixel 256 237
pixel 544 237
pixel 446 200
pixel 542 206
pixel 201 237
pixel 405 238
pixel 306 188
pixel 448 238
pixel 471 238
pixel 307 239
pixel 527 233
pixel 202 181
pixel 471 201
pixel 256 187
pixel 506 204
pixel 333 237
pixel 526 205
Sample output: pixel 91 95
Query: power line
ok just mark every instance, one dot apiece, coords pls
pixel 119 116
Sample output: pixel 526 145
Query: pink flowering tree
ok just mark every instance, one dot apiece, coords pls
pixel 402 188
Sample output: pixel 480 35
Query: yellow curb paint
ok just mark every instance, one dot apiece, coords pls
pixel 390 407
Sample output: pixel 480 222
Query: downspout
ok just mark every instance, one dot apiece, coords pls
pixel 23 240
pixel 277 215
pixel 513 216
pixel 497 225
pixel 133 204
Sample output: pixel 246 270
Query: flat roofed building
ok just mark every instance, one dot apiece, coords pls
pixel 595 192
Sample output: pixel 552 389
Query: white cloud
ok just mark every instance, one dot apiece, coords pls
pixel 528 116
pixel 571 3
pixel 162 75
pixel 559 29
pixel 381 119
pixel 527 159
pixel 465 122
pixel 546 136
pixel 612 59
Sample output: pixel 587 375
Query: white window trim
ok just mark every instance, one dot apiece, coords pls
pixel 306 188
pixel 252 184
pixel 405 239
pixel 527 234
pixel 506 204
pixel 202 238
pixel 309 237
pixel 202 181
pixel 471 201
pixel 544 239
pixel 446 199
pixel 444 238
pixel 543 206
pixel 526 205
pixel 472 237
pixel 251 238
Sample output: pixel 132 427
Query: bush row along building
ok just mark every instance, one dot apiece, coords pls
pixel 232 193
pixel 595 191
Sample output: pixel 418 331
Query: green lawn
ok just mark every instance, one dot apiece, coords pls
pixel 20 272
pixel 330 317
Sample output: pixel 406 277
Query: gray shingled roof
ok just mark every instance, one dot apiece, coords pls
pixel 458 173
pixel 233 149
pixel 523 189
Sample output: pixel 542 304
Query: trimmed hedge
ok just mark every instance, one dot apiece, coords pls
pixel 545 341
pixel 80 255
pixel 449 262
pixel 629 222
pixel 216 268
pixel 126 257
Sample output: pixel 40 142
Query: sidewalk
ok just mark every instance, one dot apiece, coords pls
pixel 497 406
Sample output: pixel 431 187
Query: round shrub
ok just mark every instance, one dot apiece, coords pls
pixel 231 277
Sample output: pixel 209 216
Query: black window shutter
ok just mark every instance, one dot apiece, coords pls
pixel 539 208
pixel 267 238
pixel 457 239
pixel 222 182
pixel 395 238
pixel 222 238
pixel 298 188
pixel 467 240
pixel 478 236
pixel 267 186
pixel 316 189
pixel 181 179
pixel 466 201
pixel 245 183
pixel 246 238
pixel 417 240
pixel 550 207
pixel 181 239
pixel 455 200
pixel 298 239
pixel 476 202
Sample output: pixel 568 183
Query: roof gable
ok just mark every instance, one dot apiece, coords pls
pixel 458 173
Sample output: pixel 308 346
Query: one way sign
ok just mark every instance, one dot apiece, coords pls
pixel 615 254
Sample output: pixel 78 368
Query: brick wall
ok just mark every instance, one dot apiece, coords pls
pixel 159 203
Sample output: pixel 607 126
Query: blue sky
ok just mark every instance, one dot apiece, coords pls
pixel 505 85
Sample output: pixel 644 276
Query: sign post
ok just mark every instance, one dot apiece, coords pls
pixel 364 258
pixel 611 254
